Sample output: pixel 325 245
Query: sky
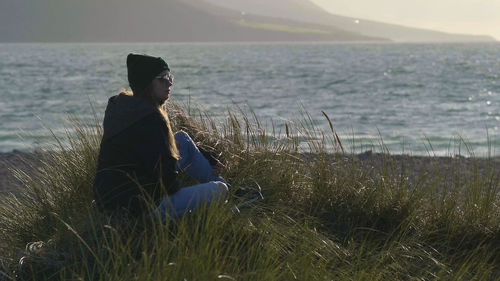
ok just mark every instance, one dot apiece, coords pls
pixel 480 17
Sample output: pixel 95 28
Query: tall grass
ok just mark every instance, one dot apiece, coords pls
pixel 325 216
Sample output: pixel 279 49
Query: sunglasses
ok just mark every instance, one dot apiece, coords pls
pixel 167 77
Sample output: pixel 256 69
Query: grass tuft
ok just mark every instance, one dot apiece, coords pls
pixel 325 216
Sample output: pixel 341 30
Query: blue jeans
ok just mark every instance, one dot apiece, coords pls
pixel 193 163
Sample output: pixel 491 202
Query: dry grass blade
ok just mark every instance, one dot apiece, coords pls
pixel 336 137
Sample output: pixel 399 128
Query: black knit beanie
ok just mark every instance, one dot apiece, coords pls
pixel 142 69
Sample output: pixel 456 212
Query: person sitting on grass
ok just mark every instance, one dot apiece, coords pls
pixel 140 156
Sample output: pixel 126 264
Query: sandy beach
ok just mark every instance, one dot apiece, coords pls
pixel 422 171
pixel 417 169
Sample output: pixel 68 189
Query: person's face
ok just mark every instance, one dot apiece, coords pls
pixel 161 86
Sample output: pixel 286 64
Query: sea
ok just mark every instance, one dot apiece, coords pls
pixel 417 99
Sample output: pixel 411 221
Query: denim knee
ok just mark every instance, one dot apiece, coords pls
pixel 182 136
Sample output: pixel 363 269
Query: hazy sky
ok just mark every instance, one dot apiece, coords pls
pixel 460 16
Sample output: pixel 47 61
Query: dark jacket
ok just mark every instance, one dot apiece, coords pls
pixel 135 165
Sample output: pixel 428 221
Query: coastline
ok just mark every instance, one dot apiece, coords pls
pixel 414 167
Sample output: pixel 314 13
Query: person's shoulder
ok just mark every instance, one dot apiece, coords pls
pixel 121 95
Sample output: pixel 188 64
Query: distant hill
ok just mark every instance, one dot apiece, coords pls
pixel 308 12
pixel 152 21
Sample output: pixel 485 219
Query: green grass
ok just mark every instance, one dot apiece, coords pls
pixel 327 218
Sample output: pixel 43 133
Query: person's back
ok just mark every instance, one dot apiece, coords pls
pixel 133 159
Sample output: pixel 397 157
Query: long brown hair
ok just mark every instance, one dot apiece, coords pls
pixel 147 93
